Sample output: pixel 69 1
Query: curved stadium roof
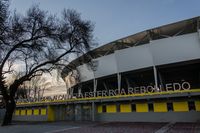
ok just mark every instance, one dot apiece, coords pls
pixel 144 37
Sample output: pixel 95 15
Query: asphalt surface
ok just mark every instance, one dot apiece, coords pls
pixel 100 127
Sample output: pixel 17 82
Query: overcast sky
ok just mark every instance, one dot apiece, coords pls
pixel 115 19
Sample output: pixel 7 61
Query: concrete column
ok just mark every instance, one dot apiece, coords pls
pixel 119 82
pixel 155 78
pixel 95 86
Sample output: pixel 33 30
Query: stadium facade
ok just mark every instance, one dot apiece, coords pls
pixel 151 76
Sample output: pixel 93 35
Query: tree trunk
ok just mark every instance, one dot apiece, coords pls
pixel 8 100
pixel 10 107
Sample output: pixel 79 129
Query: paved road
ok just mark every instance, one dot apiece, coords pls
pixel 41 127
pixel 97 127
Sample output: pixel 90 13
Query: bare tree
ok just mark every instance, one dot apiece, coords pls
pixel 33 89
pixel 39 42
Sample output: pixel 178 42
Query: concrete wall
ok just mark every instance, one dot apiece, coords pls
pixel 156 110
pixel 150 117
pixel 175 49
pixel 30 118
pixel 134 58
pixel 106 65
pixel 80 112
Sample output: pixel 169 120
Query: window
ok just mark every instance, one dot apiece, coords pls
pixel 29 111
pixel 170 107
pixel 125 108
pixel 111 108
pixel 99 109
pixel 150 106
pixel 133 108
pixel 191 105
pixel 43 111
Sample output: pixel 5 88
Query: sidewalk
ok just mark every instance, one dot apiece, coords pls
pixel 99 127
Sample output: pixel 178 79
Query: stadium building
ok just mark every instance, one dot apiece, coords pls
pixel 151 76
